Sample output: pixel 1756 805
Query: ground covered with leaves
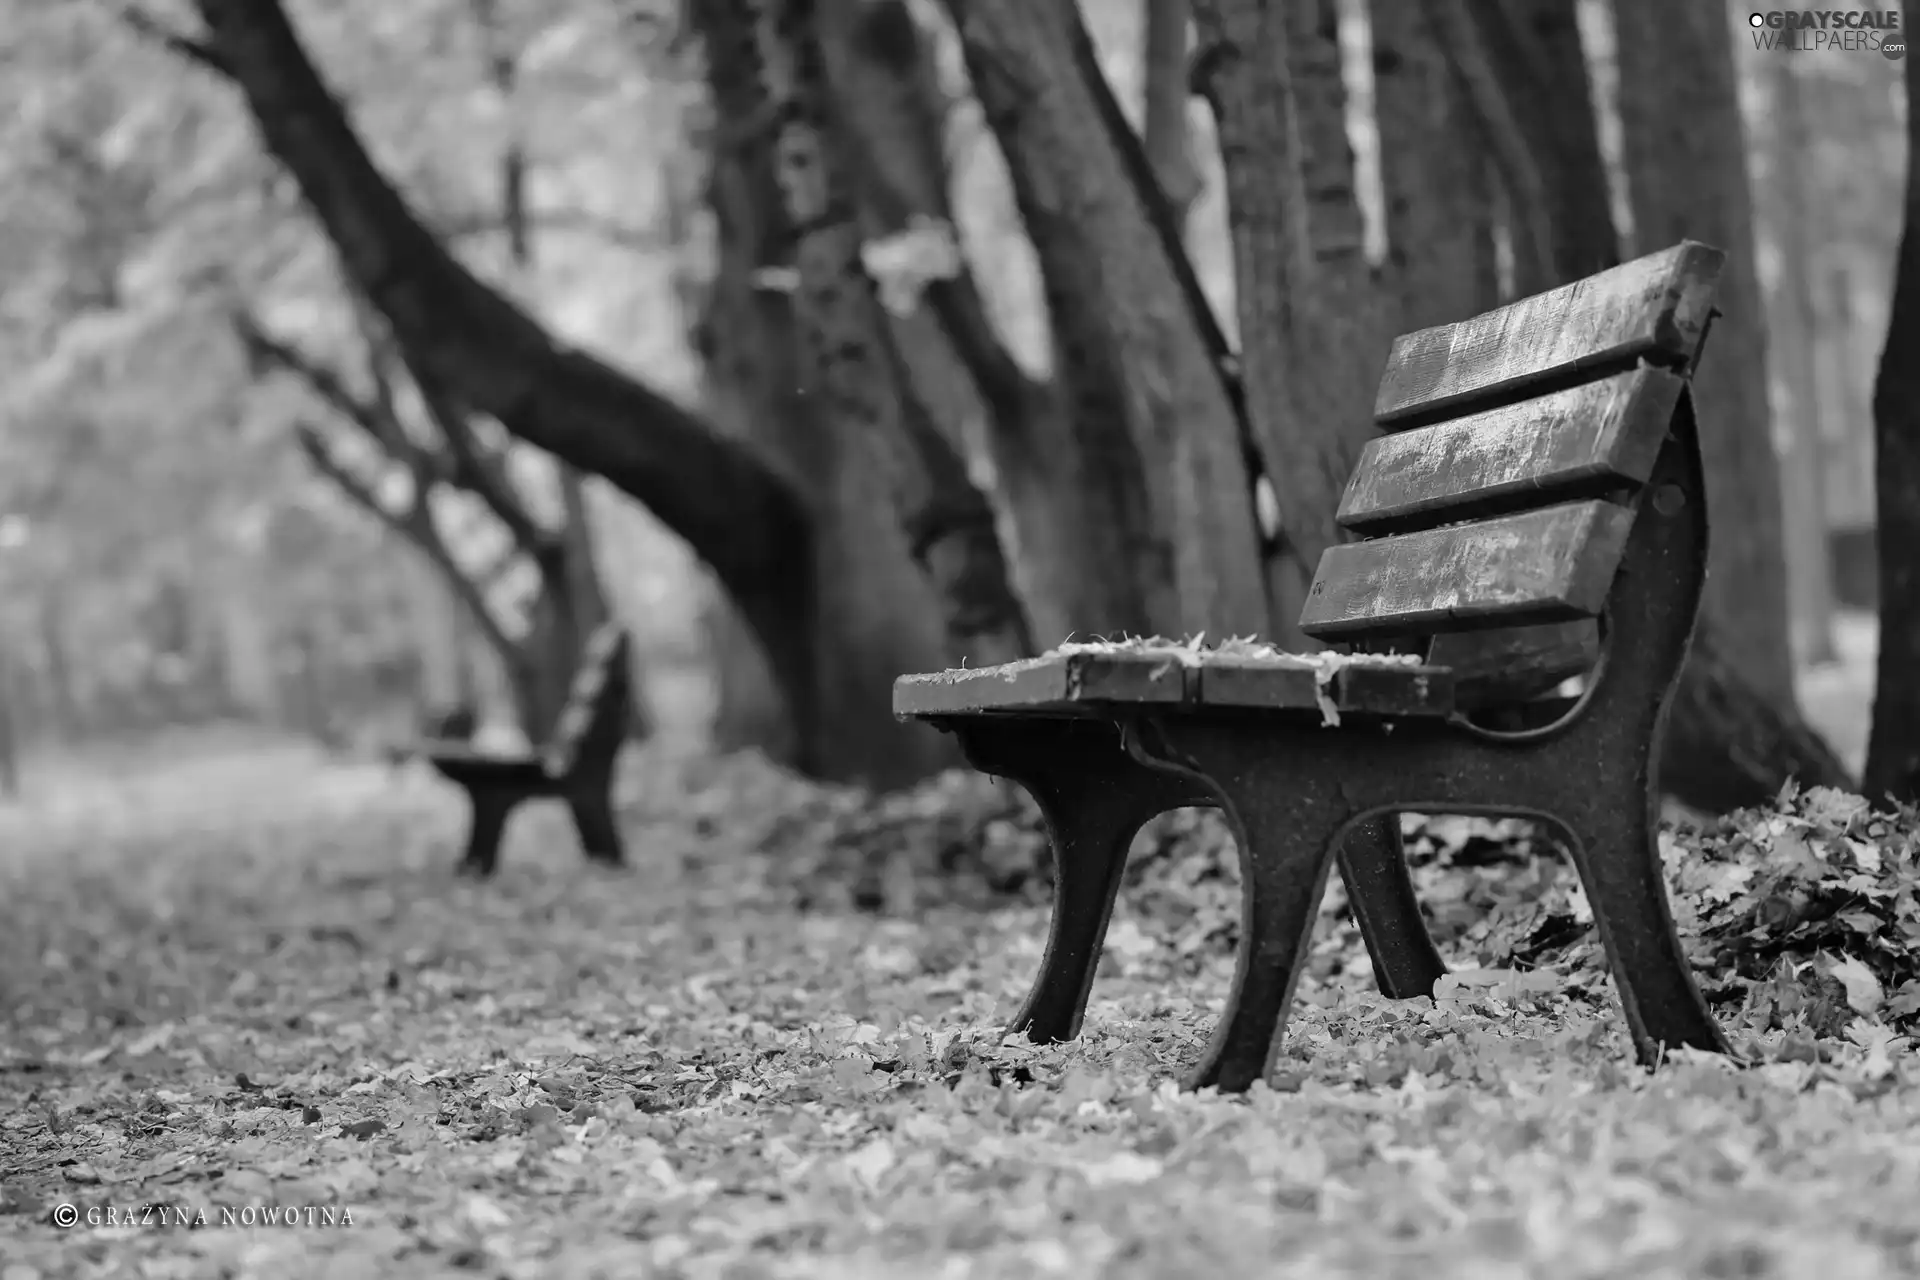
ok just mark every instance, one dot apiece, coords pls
pixel 255 993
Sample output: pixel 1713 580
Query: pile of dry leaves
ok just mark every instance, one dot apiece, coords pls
pixel 1812 903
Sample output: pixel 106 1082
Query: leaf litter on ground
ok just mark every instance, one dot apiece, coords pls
pixel 776 1047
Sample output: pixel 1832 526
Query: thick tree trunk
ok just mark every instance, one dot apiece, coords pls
pixel 848 360
pixel 1533 51
pixel 1893 749
pixel 1141 383
pixel 1165 127
pixel 1727 747
pixel 1311 330
pixel 1685 155
pixel 876 616
pixel 737 515
pixel 1434 168
pixel 1071 490
pixel 747 710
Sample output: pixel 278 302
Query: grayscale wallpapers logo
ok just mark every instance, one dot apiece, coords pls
pixel 1819 30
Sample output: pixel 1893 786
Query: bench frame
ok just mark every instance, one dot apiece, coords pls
pixel 576 765
pixel 1104 741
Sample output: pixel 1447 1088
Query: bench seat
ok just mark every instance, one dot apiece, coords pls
pixel 1094 679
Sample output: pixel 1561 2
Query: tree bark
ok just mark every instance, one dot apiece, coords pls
pixel 1802 436
pixel 1434 168
pixel 1071 490
pixel 1166 129
pixel 1311 329
pixel 1893 747
pixel 848 360
pixel 1141 383
pixel 1533 51
pixel 1727 748
pixel 1685 155
pixel 875 616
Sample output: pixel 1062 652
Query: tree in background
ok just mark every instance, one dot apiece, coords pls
pixel 1893 752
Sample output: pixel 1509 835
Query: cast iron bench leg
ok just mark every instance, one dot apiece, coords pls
pixel 592 808
pixel 1093 797
pixel 1618 860
pixel 1373 866
pixel 1289 824
pixel 490 810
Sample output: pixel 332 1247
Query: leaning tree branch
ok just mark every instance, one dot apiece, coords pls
pixel 737 513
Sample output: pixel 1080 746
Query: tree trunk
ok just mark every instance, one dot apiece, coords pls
pixel 1893 748
pixel 1138 374
pixel 1727 748
pixel 1071 490
pixel 1685 154
pixel 1435 171
pixel 1166 129
pixel 848 362
pixel 1311 329
pixel 875 616
pixel 747 711
pixel 1534 53
pixel 1801 429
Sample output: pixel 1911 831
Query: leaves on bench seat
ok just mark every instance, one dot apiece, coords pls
pixel 1088 677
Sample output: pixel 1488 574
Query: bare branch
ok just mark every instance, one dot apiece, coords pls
pixel 313 442
pixel 482 471
pixel 185 47
pixel 265 351
pixel 416 525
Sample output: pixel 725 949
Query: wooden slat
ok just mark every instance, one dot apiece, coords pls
pixel 1056 682
pixel 1084 683
pixel 1579 442
pixel 1537 566
pixel 1399 689
pixel 1654 308
pixel 1499 668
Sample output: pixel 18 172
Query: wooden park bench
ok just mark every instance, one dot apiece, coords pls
pixel 1538 467
pixel 575 764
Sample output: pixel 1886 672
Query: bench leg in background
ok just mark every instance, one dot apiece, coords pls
pixel 1373 866
pixel 1094 798
pixel 592 809
pixel 490 810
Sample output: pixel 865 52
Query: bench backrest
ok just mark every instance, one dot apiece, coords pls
pixel 1515 448
pixel 594 720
